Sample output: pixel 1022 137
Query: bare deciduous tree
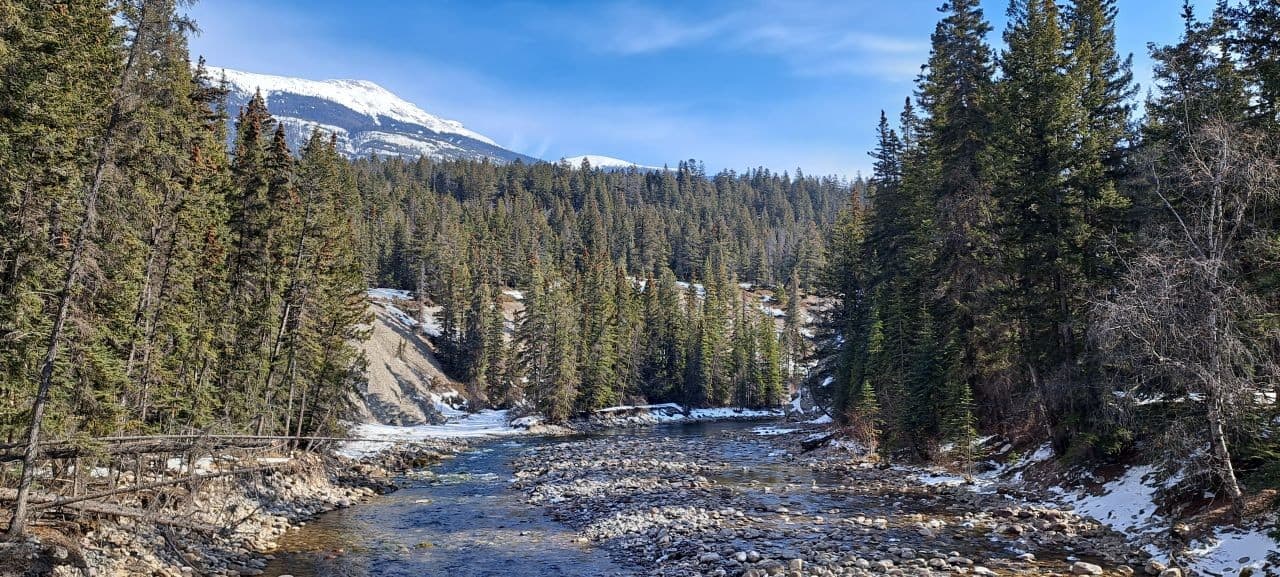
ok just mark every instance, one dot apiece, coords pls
pixel 1183 324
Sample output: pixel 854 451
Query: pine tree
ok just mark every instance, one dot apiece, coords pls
pixel 548 338
pixel 1257 24
pixel 744 369
pixel 1107 91
pixel 771 388
pixel 1042 222
pixel 336 314
pixel 794 344
pixel 600 382
pixel 251 300
pixel 664 357
pixel 846 324
pixel 713 340
pixel 955 93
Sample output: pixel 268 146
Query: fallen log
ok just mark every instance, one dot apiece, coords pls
pixel 38 499
pixel 187 437
pixel 83 502
pixel 136 448
pixel 157 484
pixel 66 449
pixel 812 444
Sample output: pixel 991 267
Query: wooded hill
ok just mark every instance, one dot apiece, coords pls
pixel 600 252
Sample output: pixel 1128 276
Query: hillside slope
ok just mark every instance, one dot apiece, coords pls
pixel 406 385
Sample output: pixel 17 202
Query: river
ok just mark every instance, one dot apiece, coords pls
pixel 467 521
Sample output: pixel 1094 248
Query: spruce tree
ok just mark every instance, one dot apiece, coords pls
pixel 1042 218
pixel 772 391
pixel 955 93
pixel 600 382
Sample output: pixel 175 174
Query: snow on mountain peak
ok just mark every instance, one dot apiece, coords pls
pixel 606 162
pixel 361 96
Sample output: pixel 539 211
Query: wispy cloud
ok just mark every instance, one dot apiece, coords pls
pixel 660 30
pixel 580 113
pixel 811 38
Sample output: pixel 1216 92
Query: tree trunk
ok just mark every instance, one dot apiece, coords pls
pixel 17 524
pixel 1222 454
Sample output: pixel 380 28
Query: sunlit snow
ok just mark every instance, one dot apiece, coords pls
pixel 361 96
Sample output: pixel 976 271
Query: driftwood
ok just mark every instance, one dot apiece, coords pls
pixel 157 484
pixel 142 445
pixel 135 448
pixel 189 437
pixel 87 503
pixel 809 445
pixel 41 499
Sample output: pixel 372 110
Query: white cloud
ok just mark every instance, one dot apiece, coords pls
pixel 660 31
pixel 812 38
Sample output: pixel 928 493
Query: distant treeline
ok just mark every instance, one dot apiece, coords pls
pixel 600 252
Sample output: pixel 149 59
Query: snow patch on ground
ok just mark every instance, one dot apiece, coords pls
pixel 732 413
pixel 938 477
pixel 772 431
pixel 1044 453
pixel 179 465
pixel 820 420
pixel 774 312
pixel 700 289
pixel 401 316
pixel 1227 553
pixel 375 438
pixel 1125 504
pixel 515 294
pixel 674 413
pixel 448 403
pixel 385 296
pixel 388 294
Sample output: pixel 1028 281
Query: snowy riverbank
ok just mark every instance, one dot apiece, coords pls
pixel 375 438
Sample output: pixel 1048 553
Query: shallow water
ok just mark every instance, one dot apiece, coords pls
pixel 470 522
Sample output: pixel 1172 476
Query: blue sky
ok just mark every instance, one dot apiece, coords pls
pixel 737 84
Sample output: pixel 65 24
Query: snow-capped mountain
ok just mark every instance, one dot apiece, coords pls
pixel 606 162
pixel 367 119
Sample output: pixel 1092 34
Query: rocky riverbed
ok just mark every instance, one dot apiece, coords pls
pixel 256 511
pixel 749 503
pixel 704 499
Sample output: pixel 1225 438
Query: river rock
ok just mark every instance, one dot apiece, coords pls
pixel 1083 568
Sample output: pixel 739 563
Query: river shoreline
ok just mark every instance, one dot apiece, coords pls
pixel 264 508
pixel 257 509
pixel 743 499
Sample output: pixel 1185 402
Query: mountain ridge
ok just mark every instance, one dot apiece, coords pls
pixel 608 163
pixel 366 118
